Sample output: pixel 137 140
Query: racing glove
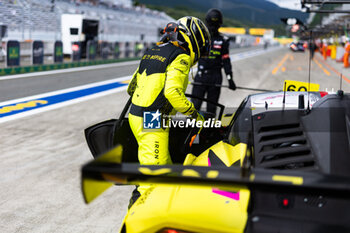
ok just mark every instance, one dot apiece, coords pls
pixel 195 132
pixel 231 83
pixel 199 117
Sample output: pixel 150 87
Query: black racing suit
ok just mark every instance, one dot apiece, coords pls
pixel 209 72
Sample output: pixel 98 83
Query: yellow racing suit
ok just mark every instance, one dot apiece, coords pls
pixel 158 84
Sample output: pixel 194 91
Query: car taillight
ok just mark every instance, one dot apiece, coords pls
pixel 323 93
pixel 170 230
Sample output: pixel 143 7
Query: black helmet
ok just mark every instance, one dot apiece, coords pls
pixel 170 32
pixel 214 18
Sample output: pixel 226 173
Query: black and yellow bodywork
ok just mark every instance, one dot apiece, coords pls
pixel 268 170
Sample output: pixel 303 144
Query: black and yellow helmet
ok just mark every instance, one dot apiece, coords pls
pixel 194 35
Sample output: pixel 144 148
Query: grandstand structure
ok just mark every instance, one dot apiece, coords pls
pixel 118 19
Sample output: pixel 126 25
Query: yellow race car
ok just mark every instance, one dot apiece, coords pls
pixel 279 165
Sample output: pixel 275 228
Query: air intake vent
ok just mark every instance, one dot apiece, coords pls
pixel 281 144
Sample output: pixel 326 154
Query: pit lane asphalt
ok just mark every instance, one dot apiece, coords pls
pixel 41 155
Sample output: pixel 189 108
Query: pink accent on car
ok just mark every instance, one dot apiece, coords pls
pixel 232 195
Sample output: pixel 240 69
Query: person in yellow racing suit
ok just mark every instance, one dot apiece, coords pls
pixel 158 87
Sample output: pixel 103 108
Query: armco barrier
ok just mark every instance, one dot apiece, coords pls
pixel 47 67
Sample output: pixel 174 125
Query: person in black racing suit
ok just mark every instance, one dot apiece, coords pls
pixel 209 69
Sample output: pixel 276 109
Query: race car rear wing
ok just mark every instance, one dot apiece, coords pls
pixel 106 170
